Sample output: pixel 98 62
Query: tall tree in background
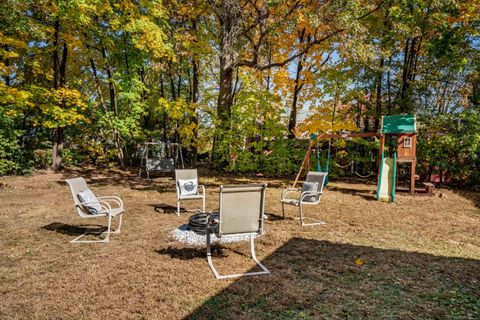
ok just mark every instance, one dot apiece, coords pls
pixel 100 78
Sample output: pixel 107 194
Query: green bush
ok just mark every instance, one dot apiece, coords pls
pixel 13 159
pixel 42 159
pixel 451 142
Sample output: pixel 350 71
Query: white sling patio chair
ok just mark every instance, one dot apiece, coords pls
pixel 310 194
pixel 186 183
pixel 241 214
pixel 84 209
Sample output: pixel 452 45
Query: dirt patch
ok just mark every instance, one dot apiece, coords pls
pixel 422 256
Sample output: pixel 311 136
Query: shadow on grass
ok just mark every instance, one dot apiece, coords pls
pixel 74 230
pixel 182 253
pixel 169 209
pixel 192 253
pixel 276 217
pixel 314 279
pixel 126 178
pixel 473 196
pixel 162 183
pixel 164 208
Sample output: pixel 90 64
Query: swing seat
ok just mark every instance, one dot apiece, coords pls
pixel 160 157
pixel 162 165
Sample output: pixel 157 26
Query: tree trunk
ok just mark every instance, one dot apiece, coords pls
pixel 378 98
pixel 412 48
pixel 55 54
pixel 113 108
pixel 359 114
pixel 389 92
pixel 475 96
pixel 58 74
pixel 179 85
pixel 97 84
pixel 100 96
pixel 164 124
pixel 224 110
pixel 7 64
pixel 225 96
pixel 57 149
pixel 195 84
pixel 292 123
pixel 229 17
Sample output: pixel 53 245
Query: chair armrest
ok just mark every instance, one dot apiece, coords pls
pixel 288 190
pixel 115 199
pixel 177 190
pixel 203 189
pixel 309 193
pixel 105 205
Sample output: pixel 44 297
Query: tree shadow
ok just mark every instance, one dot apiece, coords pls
pixel 473 196
pixel 276 217
pixel 127 177
pixel 165 208
pixel 162 183
pixel 186 253
pixel 313 279
pixel 75 230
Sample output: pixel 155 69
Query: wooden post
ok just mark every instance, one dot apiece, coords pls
pixel 306 160
pixel 412 177
pixel 380 152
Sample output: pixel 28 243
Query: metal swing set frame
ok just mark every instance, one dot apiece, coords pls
pixel 172 158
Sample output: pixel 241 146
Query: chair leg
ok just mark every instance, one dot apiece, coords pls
pixel 109 227
pixel 203 203
pixel 264 271
pixel 209 258
pixel 302 218
pixel 283 210
pixel 117 231
pixel 178 207
pixel 254 257
pixel 301 214
pixel 106 239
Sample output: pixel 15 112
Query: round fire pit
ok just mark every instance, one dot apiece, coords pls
pixel 198 222
pixel 195 232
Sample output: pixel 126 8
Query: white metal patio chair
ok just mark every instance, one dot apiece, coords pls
pixel 78 185
pixel 190 189
pixel 305 197
pixel 241 214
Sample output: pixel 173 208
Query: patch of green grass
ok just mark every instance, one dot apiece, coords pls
pixel 293 314
pixel 459 303
pixel 254 305
pixel 215 307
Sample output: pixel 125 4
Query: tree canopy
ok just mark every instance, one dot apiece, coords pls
pixel 88 81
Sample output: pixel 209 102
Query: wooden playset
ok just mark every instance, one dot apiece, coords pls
pixel 400 132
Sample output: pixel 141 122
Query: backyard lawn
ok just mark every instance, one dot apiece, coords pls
pixel 418 258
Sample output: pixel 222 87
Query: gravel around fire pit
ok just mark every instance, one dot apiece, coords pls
pixel 185 235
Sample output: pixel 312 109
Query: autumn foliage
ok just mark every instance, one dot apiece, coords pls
pixel 236 82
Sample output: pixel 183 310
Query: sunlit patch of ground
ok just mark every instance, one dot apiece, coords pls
pixel 421 256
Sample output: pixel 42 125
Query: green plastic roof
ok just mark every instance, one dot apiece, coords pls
pixel 404 123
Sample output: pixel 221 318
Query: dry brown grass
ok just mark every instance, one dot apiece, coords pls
pixel 422 257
